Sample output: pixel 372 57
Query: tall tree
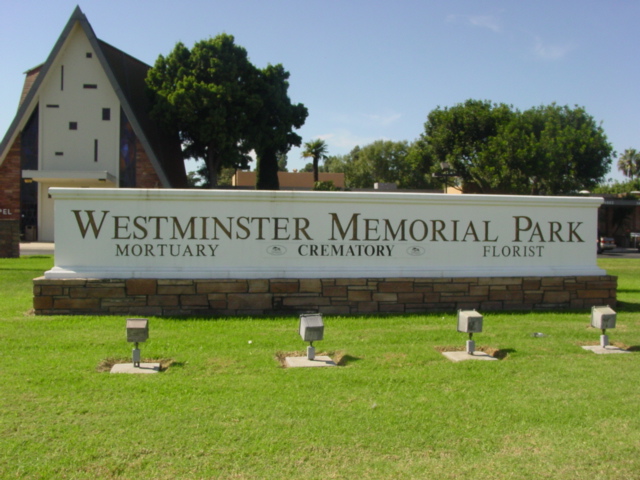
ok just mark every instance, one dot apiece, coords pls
pixel 458 136
pixel 386 161
pixel 272 129
pixel 544 150
pixel 316 150
pixel 402 163
pixel 209 95
pixel 619 188
pixel 375 162
pixel 629 163
pixel 334 164
pixel 560 150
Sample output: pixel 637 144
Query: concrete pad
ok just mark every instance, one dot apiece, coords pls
pixel 604 350
pixel 129 368
pixel 319 361
pixel 462 356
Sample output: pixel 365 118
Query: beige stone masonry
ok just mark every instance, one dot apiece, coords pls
pixel 333 296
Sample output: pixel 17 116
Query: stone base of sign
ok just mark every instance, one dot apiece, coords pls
pixel 338 296
pixel 130 368
pixel 319 361
pixel 604 350
pixel 462 356
pixel 9 238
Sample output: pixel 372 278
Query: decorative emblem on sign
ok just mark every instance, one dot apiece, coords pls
pixel 276 250
pixel 415 251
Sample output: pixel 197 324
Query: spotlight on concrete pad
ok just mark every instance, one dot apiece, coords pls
pixel 469 321
pixel 603 317
pixel 311 330
pixel 137 331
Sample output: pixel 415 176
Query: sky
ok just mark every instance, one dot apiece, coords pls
pixel 372 70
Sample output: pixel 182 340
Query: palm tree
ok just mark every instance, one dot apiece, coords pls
pixel 316 150
pixel 629 163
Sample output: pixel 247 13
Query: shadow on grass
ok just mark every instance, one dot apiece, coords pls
pixel 503 353
pixel 627 306
pixel 341 359
pixel 500 354
pixel 172 365
pixel 345 360
pixel 202 317
pixel 106 364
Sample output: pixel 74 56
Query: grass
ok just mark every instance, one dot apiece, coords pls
pixel 396 408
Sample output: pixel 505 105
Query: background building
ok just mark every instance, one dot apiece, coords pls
pixel 83 121
pixel 288 180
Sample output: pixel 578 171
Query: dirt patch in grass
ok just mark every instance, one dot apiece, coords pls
pixel 494 352
pixel 106 364
pixel 340 358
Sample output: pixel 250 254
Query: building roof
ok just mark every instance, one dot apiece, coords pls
pixel 288 180
pixel 127 77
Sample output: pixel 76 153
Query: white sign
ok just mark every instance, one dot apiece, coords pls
pixel 135 233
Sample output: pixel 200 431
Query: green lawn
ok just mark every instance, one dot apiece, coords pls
pixel 396 408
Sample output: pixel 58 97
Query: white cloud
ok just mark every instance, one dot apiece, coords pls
pixel 485 21
pixel 490 22
pixel 368 120
pixel 547 51
pixel 343 141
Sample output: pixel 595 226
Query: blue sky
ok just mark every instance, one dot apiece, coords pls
pixel 370 70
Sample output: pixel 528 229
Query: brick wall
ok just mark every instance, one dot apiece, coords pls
pixel 146 176
pixel 341 296
pixel 9 238
pixel 29 80
pixel 10 176
pixel 10 203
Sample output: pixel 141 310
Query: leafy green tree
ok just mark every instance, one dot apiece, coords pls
pixel 224 177
pixel 619 188
pixel 194 180
pixel 272 130
pixel 384 161
pixel 327 186
pixel 380 161
pixel 209 95
pixel 334 164
pixel 561 150
pixel 629 163
pixel 544 150
pixel 316 150
pixel 458 136
pixel 418 168
pixel 224 107
pixel 282 162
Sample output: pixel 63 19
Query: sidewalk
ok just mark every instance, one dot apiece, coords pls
pixel 36 248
